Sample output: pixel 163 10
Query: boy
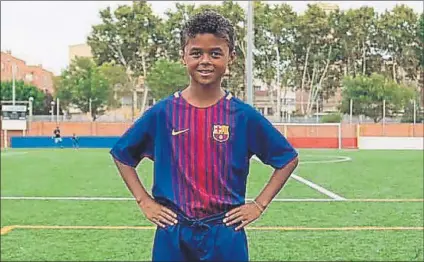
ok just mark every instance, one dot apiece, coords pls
pixel 75 142
pixel 201 140
pixel 56 136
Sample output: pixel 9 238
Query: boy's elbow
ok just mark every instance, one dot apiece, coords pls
pixel 295 162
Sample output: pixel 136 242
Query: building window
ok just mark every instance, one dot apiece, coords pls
pixel 261 109
pixel 126 100
pixel 269 111
pixel 257 88
pixel 28 77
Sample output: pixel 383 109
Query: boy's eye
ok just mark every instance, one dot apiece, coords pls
pixel 216 54
pixel 195 53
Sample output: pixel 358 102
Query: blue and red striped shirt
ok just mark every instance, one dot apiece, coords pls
pixel 201 155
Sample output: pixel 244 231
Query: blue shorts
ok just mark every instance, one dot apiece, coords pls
pixel 206 239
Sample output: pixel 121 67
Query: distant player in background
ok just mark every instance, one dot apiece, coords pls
pixel 75 141
pixel 57 138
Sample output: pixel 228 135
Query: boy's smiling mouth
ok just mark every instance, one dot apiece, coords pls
pixel 205 72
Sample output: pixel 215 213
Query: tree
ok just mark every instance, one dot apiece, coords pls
pixel 83 84
pixel 368 94
pixel 236 81
pixel 172 29
pixel 118 82
pixel 166 77
pixel 41 103
pixel 129 37
pixel 398 39
pixel 274 41
pixel 420 46
pixel 314 43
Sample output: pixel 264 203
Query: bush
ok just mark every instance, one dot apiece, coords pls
pixel 332 118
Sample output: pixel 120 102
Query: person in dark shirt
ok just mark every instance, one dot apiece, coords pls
pixel 57 138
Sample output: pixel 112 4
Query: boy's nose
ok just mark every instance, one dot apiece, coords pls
pixel 205 59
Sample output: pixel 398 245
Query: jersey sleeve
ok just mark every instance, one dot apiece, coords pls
pixel 267 143
pixel 137 142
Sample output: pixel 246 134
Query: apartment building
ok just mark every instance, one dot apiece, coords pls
pixel 31 74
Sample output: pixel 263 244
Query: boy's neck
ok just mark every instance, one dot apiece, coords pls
pixel 202 96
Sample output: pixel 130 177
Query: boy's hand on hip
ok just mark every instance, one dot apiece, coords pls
pixel 245 214
pixel 157 213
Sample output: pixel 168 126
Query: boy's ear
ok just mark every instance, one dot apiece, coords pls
pixel 232 57
pixel 182 58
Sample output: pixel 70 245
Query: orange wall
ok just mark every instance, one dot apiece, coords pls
pixel 300 136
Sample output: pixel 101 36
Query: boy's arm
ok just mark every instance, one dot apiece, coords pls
pixel 153 211
pixel 248 213
pixel 275 184
pixel 266 142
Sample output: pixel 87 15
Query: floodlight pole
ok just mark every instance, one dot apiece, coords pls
pixel 249 56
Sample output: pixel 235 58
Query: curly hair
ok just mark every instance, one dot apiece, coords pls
pixel 208 22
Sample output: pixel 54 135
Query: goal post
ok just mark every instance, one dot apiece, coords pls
pixel 312 135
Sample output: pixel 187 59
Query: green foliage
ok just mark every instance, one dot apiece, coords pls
pixel 331 118
pixel 41 103
pixel 368 94
pixel 84 81
pixel 126 36
pixel 117 80
pixel 397 31
pixel 340 43
pixel 166 77
pixel 420 35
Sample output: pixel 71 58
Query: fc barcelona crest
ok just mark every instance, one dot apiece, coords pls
pixel 221 133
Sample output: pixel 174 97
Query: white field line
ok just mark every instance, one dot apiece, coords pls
pixel 315 186
pixel 132 199
pixel 318 188
pixel 334 197
pixel 247 199
pixel 3 154
pixel 334 159
pixel 7 229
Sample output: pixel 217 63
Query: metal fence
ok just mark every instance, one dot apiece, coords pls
pixel 412 113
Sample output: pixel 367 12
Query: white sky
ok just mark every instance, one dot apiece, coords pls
pixel 40 32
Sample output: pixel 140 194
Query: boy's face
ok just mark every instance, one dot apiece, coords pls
pixel 207 57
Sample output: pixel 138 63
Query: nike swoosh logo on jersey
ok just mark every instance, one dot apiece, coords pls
pixel 175 133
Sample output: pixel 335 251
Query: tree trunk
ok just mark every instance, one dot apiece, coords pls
pixel 327 63
pixel 311 91
pixel 271 97
pixel 364 66
pixel 284 98
pixel 354 67
pixel 278 103
pixel 302 107
pixel 146 89
pixel 394 69
pixel 347 72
